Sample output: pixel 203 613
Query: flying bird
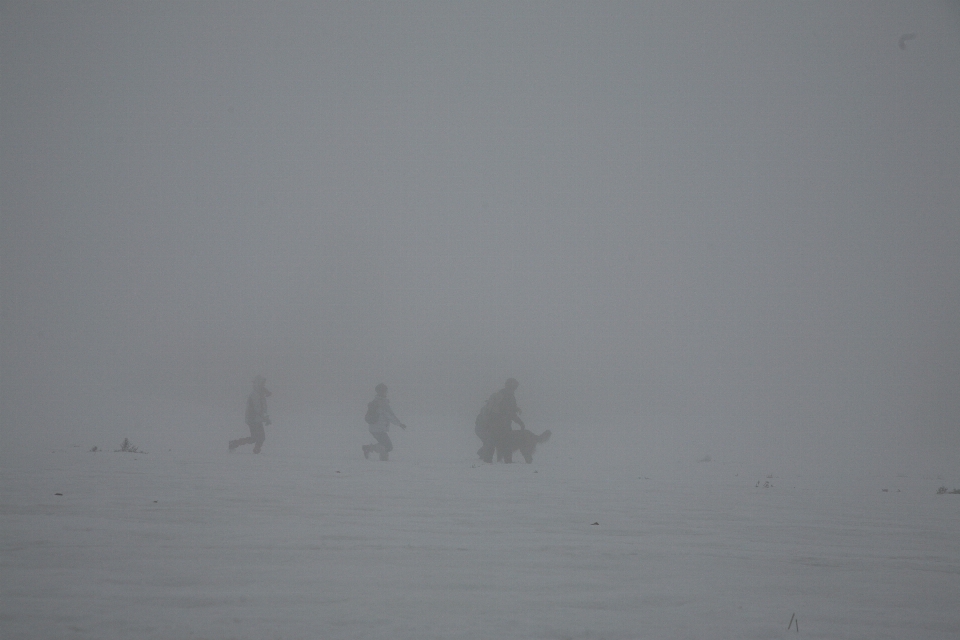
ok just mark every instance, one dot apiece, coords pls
pixel 905 37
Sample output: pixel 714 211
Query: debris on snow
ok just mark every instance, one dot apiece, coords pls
pixel 128 447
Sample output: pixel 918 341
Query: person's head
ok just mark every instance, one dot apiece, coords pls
pixel 260 384
pixel 511 384
pixel 382 390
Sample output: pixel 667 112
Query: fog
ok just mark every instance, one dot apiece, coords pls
pixel 701 228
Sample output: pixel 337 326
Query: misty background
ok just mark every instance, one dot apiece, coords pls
pixel 686 228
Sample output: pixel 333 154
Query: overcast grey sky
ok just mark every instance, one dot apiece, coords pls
pixel 732 220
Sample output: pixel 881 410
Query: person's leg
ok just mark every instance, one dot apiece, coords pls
pixel 501 443
pixel 486 451
pixel 384 445
pixel 486 439
pixel 258 435
pixel 240 441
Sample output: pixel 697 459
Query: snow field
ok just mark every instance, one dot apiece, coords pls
pixel 301 544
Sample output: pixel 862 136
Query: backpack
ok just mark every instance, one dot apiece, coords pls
pixel 373 413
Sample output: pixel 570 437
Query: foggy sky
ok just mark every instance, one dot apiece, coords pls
pixel 733 221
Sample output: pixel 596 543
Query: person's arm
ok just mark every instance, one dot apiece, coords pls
pixel 397 421
pixel 515 412
pixel 392 417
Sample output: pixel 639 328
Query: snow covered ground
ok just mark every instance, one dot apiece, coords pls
pixel 309 540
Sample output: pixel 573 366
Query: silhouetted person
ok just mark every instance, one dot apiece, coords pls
pixel 380 416
pixel 495 422
pixel 256 416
